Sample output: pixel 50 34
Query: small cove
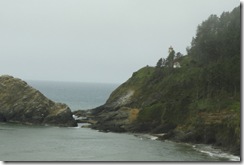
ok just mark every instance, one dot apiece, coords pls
pixel 45 143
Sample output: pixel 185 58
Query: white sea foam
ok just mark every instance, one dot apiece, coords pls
pixel 146 136
pixel 154 138
pixel 78 118
pixel 213 152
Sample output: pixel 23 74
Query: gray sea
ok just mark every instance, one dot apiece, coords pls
pixel 46 143
pixel 78 96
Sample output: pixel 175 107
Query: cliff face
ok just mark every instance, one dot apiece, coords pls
pixel 157 101
pixel 21 103
pixel 121 110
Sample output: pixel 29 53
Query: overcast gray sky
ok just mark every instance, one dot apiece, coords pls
pixel 96 40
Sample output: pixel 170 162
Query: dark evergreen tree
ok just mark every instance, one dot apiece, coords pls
pixel 159 63
pixel 216 48
pixel 170 59
pixel 217 38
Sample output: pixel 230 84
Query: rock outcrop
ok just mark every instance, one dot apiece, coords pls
pixel 148 103
pixel 21 103
pixel 120 111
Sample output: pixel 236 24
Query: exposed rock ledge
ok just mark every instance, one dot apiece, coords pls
pixel 21 103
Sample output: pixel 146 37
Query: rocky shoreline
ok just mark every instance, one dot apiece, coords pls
pixel 178 137
pixel 121 114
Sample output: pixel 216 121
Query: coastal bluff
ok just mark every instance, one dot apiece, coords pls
pixel 166 109
pixel 20 103
pixel 193 98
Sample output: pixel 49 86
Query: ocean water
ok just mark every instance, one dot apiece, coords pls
pixel 78 96
pixel 46 143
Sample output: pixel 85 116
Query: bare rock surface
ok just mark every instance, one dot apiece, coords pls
pixel 20 103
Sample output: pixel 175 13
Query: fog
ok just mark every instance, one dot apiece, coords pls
pixel 96 40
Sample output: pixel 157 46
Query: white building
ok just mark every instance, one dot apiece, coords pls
pixel 176 65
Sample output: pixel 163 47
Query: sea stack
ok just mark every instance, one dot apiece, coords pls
pixel 20 103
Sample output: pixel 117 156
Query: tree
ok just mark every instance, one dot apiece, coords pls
pixel 164 62
pixel 204 45
pixel 170 59
pixel 178 55
pixel 216 48
pixel 159 63
pixel 217 38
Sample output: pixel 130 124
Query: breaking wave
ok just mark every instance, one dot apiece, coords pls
pixel 214 152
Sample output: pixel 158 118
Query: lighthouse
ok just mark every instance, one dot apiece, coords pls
pixel 170 49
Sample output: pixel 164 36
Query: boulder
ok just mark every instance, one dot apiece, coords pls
pixel 20 103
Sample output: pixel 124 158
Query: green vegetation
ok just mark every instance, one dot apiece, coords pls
pixel 209 77
pixel 203 96
pixel 198 101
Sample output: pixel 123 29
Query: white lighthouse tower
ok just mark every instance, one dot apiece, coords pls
pixel 170 49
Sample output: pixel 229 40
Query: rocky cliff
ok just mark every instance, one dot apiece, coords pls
pixel 167 106
pixel 21 103
pixel 120 111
